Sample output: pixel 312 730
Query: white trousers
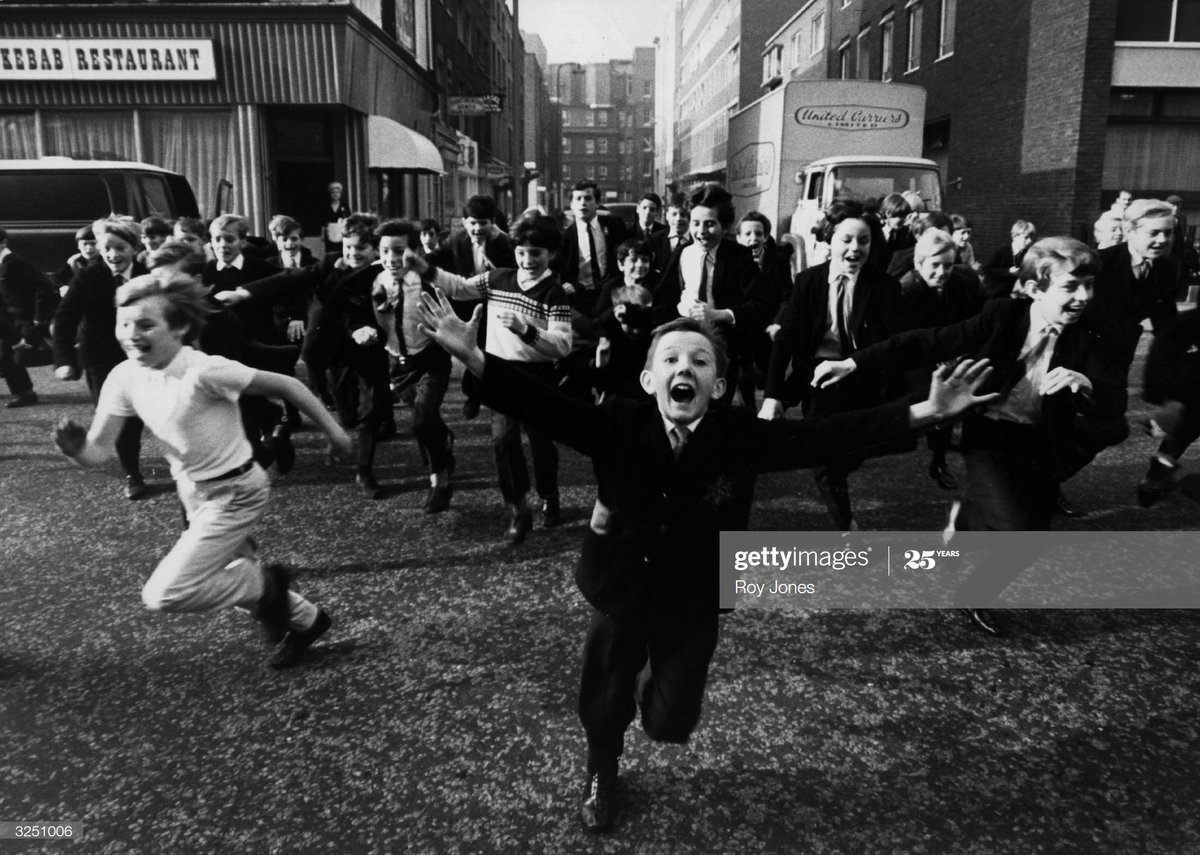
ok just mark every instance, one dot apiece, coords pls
pixel 215 563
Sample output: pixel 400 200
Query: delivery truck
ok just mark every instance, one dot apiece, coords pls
pixel 807 143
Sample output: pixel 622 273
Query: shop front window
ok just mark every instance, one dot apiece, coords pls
pixel 90 134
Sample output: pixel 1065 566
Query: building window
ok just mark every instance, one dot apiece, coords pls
pixel 602 145
pixel 589 146
pixel 602 118
pixel 796 49
pixel 946 28
pixel 863 55
pixel 913 52
pixel 1158 21
pixel 887 36
pixel 590 119
pixel 566 145
pixel 566 118
pixel 844 60
pixel 602 172
pixel 771 63
pixel 818 34
pixel 647 88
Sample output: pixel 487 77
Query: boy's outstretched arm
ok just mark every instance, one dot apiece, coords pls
pixel 952 392
pixel 457 337
pixel 89 447
pixel 268 383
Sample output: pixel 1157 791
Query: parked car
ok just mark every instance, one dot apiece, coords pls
pixel 43 202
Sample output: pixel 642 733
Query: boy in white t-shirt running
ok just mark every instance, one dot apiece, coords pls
pixel 189 400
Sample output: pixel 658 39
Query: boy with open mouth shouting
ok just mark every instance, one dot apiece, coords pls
pixel 672 472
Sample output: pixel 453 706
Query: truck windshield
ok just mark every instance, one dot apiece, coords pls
pixel 871 182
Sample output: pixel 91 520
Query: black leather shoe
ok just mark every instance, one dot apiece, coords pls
pixel 1159 480
pixel 598 809
pixel 285 452
pixel 135 487
pixel 551 512
pixel 984 621
pixel 438 499
pixel 368 486
pixel 25 399
pixel 519 527
pixel 1063 506
pixel 942 476
pixel 1148 493
pixel 273 608
pixel 297 642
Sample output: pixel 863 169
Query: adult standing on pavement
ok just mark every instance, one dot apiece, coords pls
pixel 337 209
pixel 27 302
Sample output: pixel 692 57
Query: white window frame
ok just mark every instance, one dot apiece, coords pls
pixel 887 47
pixel 844 59
pixel 817 29
pixel 947 20
pixel 914 16
pixel 862 47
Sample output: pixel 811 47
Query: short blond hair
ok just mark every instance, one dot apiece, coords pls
pixel 186 302
pixel 1066 253
pixel 1146 209
pixel 126 228
pixel 932 242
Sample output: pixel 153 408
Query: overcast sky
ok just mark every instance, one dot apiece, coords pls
pixel 593 30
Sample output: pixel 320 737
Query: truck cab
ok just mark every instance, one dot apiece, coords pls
pixel 861 178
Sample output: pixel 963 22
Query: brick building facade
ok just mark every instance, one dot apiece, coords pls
pixel 1038 109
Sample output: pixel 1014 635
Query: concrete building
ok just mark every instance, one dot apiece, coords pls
pixel 608 118
pixel 718 47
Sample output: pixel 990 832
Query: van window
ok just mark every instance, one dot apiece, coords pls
pixel 154 196
pixel 38 196
pixel 816 183
pixel 868 182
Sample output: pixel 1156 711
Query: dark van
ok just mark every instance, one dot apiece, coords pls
pixel 43 202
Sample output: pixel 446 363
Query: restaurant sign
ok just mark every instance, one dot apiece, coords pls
pixel 107 59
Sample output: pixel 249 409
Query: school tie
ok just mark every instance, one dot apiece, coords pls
pixel 593 256
pixel 1047 334
pixel 843 334
pixel 679 440
pixel 703 289
pixel 1142 271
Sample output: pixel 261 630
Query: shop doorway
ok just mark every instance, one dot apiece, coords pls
pixel 304 161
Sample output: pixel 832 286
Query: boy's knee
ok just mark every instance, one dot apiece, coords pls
pixel 158 599
pixel 664 721
pixel 674 728
pixel 155 599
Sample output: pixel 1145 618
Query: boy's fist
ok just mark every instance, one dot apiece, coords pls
pixel 70 437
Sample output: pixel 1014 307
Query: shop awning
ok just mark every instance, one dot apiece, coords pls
pixel 390 145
